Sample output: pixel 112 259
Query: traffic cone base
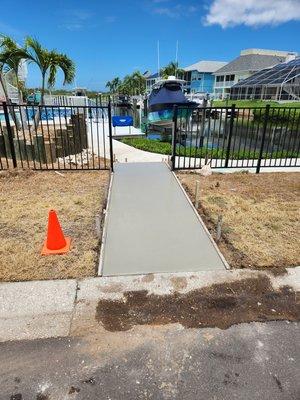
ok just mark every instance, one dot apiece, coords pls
pixel 63 250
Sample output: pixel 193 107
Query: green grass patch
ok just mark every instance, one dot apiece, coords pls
pixel 157 146
pixel 254 103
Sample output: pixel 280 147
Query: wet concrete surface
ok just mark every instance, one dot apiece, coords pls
pixel 247 361
pixel 151 226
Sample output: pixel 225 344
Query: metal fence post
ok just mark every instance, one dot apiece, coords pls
pixel 174 132
pixel 9 135
pixel 110 137
pixel 263 138
pixel 230 134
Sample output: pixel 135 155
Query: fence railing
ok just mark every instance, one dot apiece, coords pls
pixel 56 137
pixel 235 137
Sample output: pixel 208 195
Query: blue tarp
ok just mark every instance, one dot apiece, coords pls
pixel 127 120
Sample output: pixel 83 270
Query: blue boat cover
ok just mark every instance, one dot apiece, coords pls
pixel 167 94
pixel 126 120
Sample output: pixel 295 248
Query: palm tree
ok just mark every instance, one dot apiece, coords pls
pixel 49 62
pixel 113 85
pixel 109 85
pixel 172 69
pixel 139 82
pixel 11 58
pixel 116 83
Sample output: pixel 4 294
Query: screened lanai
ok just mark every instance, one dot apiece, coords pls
pixel 281 82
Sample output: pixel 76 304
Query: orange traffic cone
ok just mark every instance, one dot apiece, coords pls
pixel 56 242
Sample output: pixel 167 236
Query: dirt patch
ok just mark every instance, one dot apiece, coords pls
pixel 112 288
pixel 25 199
pixel 260 216
pixel 148 278
pixel 178 283
pixel 74 389
pixel 219 305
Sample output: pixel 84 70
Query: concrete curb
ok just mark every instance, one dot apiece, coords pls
pixel 44 309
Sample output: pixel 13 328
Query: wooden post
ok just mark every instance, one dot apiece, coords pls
pixel 219 228
pixel 197 192
pixel 39 149
pixel 98 225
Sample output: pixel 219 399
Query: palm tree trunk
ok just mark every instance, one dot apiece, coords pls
pixel 37 116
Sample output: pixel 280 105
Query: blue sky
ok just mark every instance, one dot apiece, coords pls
pixel 114 38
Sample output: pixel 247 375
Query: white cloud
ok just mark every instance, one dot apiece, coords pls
pixel 110 19
pixel 176 11
pixel 252 12
pixel 75 19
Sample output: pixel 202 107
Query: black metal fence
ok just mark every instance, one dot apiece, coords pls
pixel 56 137
pixel 235 137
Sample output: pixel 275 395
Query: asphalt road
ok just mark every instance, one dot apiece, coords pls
pixel 247 361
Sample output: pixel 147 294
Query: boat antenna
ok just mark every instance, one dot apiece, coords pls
pixel 176 58
pixel 158 67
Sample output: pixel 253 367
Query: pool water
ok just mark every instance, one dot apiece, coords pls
pixel 47 114
pixel 50 113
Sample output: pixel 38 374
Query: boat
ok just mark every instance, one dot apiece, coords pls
pixel 164 95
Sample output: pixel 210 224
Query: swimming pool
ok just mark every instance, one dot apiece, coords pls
pixel 50 113
pixel 47 113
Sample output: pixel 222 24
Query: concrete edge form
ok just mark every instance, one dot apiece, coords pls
pixel 104 231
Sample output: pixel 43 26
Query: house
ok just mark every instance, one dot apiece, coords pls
pixel 151 79
pixel 249 62
pixel 281 82
pixel 199 76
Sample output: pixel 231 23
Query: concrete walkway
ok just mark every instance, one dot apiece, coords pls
pixel 152 227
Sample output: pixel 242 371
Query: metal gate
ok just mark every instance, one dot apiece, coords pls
pixel 53 137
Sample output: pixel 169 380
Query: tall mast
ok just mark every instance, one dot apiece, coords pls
pixel 176 57
pixel 158 67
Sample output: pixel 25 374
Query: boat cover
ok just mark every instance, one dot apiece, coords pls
pixel 127 120
pixel 168 94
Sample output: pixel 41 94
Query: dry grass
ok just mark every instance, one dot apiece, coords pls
pixel 261 225
pixel 25 199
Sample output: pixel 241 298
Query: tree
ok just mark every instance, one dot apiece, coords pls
pixel 133 84
pixel 109 85
pixel 11 58
pixel 139 82
pixel 113 85
pixel 172 69
pixel 49 62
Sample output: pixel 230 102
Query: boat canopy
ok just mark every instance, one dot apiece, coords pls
pixel 169 93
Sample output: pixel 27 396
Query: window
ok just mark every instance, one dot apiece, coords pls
pixel 220 78
pixel 229 78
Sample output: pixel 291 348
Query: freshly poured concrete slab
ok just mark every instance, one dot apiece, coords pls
pixel 151 226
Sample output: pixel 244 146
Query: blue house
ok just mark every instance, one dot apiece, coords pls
pixel 200 78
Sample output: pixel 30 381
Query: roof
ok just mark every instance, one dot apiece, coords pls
pixel 205 66
pixel 280 73
pixel 250 62
pixel 153 76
